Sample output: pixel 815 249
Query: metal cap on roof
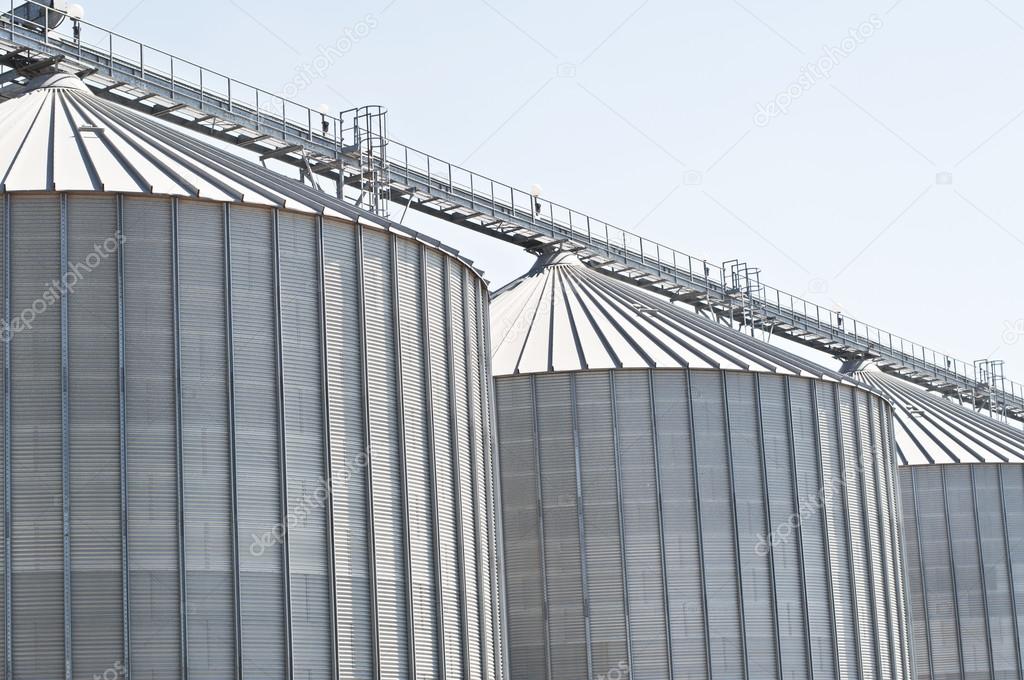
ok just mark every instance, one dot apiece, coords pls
pixel 932 429
pixel 564 316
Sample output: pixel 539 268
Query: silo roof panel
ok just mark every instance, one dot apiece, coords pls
pixel 932 429
pixel 564 316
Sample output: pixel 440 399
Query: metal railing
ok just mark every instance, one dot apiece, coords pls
pixel 443 189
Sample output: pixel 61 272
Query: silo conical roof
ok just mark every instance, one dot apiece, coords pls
pixel 932 429
pixel 565 316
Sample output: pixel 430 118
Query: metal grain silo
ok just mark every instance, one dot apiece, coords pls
pixel 682 501
pixel 246 428
pixel 962 488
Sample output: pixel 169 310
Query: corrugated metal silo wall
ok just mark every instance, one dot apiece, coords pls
pixel 173 424
pixel 964 526
pixel 675 524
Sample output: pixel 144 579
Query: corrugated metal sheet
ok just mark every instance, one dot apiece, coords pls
pixel 563 316
pixel 228 313
pixel 271 452
pixel 661 523
pixel 964 564
pixel 932 429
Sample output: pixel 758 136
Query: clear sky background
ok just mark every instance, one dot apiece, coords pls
pixel 889 187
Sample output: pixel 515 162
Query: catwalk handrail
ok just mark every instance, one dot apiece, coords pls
pixel 293 123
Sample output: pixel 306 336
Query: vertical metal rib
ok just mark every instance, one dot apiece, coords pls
pixel 232 454
pixel 371 541
pixel 622 533
pixel 952 569
pixel 326 422
pixel 493 472
pixel 1009 564
pixel 182 575
pixel 540 527
pixel 453 440
pixel 7 338
pixel 735 527
pixel 396 329
pixel 766 499
pixel 849 530
pixel 661 524
pixel 700 525
pixel 122 432
pixel 896 538
pixel 431 437
pixel 924 575
pixel 858 445
pixel 981 561
pixel 475 482
pixel 802 560
pixel 877 451
pixel 282 452
pixel 581 526
pixel 65 436
pixel 825 498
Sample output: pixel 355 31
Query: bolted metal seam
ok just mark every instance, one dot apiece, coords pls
pixel 661 525
pixel 371 542
pixel 826 528
pixel 453 441
pixel 849 530
pixel 229 348
pixel 65 437
pixel 700 524
pixel 735 525
pixel 802 560
pixel 396 329
pixel 766 499
pixel 622 539
pixel 1009 564
pixel 584 577
pixel 432 434
pixel 326 434
pixel 924 574
pixel 7 339
pixel 122 433
pixel 540 522
pixel 952 570
pixel 183 594
pixel 981 562
pixel 282 448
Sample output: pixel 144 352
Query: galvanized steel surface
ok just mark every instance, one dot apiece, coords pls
pixel 564 316
pixel 693 523
pixel 240 441
pixel 965 564
pixel 932 429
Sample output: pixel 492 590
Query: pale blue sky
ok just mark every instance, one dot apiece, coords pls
pixel 643 114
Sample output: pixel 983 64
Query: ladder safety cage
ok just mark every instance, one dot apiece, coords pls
pixel 353 148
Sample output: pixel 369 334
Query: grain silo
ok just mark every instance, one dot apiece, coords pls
pixel 962 487
pixel 246 428
pixel 682 501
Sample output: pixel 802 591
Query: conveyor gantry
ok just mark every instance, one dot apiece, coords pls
pixel 353 152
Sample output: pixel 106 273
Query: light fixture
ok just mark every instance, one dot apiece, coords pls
pixel 324 109
pixel 76 12
pixel 536 190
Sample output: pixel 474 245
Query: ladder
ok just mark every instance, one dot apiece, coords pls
pixel 353 152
